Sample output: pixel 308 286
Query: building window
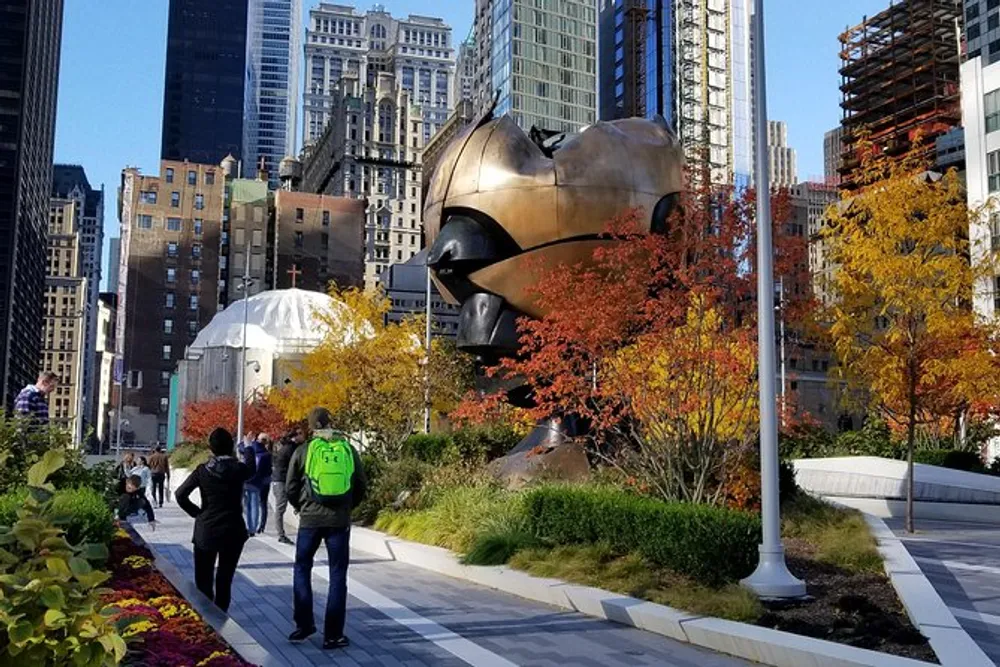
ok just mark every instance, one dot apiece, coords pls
pixel 258 238
pixel 298 239
pixel 991 107
pixel 210 178
pixel 199 202
pixel 196 251
pixel 170 300
pixel 166 353
pixel 193 327
pixel 172 249
pixel 192 177
pixel 173 224
pixel 161 432
pixel 324 240
pixel 164 404
pixel 326 218
pixel 299 214
pixel 175 199
pixel 145 222
pixel 170 175
pixel 995 231
pixel 195 276
pixel 198 223
pixel 993 171
pixel 171 275
pixel 164 378
pixel 147 197
pixel 168 326
pixel 193 302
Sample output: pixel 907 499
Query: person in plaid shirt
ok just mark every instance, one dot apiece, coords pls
pixel 33 401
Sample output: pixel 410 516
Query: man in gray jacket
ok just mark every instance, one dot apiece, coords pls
pixel 324 516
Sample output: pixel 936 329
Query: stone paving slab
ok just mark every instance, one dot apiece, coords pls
pixel 962 562
pixel 512 630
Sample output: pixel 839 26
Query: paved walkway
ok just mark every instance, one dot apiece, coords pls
pixel 403 616
pixel 962 562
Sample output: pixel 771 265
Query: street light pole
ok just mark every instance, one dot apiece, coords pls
pixel 245 286
pixel 771 579
pixel 427 348
pixel 781 338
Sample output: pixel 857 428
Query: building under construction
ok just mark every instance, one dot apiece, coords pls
pixel 899 79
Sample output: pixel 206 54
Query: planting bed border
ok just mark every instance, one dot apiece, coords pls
pixel 229 630
pixel 763 645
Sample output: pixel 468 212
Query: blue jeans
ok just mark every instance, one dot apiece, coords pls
pixel 338 552
pixel 251 505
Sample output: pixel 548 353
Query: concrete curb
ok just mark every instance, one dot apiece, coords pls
pixel 926 609
pixel 763 645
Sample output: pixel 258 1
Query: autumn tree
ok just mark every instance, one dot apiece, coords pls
pixel 901 320
pixel 372 373
pixel 652 342
pixel 260 415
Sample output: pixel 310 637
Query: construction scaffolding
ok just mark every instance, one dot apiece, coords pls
pixel 899 78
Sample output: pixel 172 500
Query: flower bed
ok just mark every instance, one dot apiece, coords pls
pixel 161 628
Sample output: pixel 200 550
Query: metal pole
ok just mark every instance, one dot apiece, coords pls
pixel 781 336
pixel 771 578
pixel 243 356
pixel 427 348
pixel 121 393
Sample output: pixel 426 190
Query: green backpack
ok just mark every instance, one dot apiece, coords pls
pixel 329 470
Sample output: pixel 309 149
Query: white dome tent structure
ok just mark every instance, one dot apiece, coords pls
pixel 282 327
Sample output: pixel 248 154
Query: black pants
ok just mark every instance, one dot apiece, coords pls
pixel 263 507
pixel 205 573
pixel 158 483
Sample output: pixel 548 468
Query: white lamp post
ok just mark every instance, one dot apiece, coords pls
pixel 771 579
pixel 244 285
pixel 427 348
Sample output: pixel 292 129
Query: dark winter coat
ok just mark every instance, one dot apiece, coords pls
pixel 313 514
pixel 218 522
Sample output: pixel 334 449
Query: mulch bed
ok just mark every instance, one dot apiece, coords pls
pixel 859 610
pixel 159 625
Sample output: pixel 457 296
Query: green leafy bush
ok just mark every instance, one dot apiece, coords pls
pixel 710 544
pixel 485 443
pixel 49 591
pixel 190 455
pixel 427 448
pixel 84 514
pixel 387 483
pixel 950 458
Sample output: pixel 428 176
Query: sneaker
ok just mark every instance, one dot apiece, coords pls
pixel 340 642
pixel 285 540
pixel 301 634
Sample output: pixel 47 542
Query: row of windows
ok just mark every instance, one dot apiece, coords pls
pixel 172 224
pixel 192 178
pixel 172 275
pixel 150 196
pixel 168 329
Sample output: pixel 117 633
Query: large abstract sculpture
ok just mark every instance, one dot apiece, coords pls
pixel 502 205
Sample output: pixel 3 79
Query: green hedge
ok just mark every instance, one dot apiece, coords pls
pixel 477 444
pixel 710 544
pixel 91 518
pixel 950 458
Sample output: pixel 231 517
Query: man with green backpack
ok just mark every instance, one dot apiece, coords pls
pixel 325 481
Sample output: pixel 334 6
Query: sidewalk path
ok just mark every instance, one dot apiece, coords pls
pixel 962 562
pixel 403 616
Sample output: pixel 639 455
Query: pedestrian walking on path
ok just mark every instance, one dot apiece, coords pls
pixel 282 457
pixel 219 531
pixel 325 481
pixel 159 466
pixel 261 479
pixel 251 492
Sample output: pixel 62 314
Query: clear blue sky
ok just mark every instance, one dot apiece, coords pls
pixel 111 78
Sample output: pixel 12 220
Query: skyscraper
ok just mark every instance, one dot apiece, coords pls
pixel 417 50
pixel 689 62
pixel 271 98
pixel 540 60
pixel 981 31
pixel 831 156
pixel 465 70
pixel 31 35
pixel 781 158
pixel 69 181
pixel 206 72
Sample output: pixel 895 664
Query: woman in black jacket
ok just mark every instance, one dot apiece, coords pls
pixel 219 529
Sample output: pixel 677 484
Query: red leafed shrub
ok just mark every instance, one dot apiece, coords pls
pixel 259 416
